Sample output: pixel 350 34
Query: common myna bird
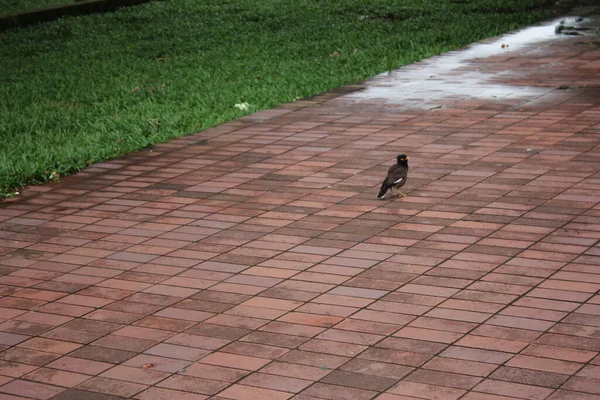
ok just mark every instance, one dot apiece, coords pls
pixel 396 177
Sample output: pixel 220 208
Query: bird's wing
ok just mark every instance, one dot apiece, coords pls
pixel 396 174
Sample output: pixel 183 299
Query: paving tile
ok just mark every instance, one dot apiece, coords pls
pixel 405 358
pixel 445 379
pixel 255 349
pixel 428 335
pixel 513 389
pixel 275 382
pixel 559 353
pixel 529 377
pixel 79 365
pixel 235 361
pixel 145 376
pixel 333 392
pixel 567 394
pixel 495 344
pixel 15 369
pixel 214 372
pixel 177 352
pixel 485 396
pixel 102 354
pixel 50 345
pixel 112 387
pixel 275 339
pixel 544 364
pixel 426 391
pixel 26 356
pixel 32 390
pixel 333 347
pixel 299 371
pixel 324 361
pixel 56 377
pixel 147 333
pixel 155 393
pixel 157 363
pixel 465 367
pixel 582 385
pixel 359 381
pixel 76 394
pixel 193 384
pixel 124 343
pixel 339 335
pixel 413 345
pixel 242 392
pixel 203 342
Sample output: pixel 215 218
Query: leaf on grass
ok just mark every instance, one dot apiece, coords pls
pixel 135 89
pixel 242 106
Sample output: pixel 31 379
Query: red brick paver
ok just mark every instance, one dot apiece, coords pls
pixel 253 261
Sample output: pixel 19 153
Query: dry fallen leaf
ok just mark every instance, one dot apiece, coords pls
pixel 503 45
pixel 135 89
pixel 54 176
pixel 521 110
pixel 149 365
pixel 335 54
pixel 355 51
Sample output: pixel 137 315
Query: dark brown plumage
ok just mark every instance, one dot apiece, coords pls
pixel 396 177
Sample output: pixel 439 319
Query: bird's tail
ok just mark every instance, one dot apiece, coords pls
pixel 383 190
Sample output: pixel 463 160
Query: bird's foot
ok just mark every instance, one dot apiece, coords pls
pixel 401 194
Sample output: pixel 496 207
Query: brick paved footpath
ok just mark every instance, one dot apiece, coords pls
pixel 253 261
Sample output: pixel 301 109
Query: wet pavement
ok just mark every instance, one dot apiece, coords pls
pixel 253 261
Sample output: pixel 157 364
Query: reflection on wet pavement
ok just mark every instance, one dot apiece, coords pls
pixel 468 73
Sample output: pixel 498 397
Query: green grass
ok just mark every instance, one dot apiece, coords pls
pixel 81 90
pixel 11 6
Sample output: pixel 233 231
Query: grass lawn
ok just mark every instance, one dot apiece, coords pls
pixel 81 90
pixel 11 6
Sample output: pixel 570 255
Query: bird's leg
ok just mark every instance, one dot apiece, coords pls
pixel 392 191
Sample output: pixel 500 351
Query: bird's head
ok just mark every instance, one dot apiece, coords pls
pixel 402 159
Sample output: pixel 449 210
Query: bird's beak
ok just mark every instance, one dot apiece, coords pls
pixel 408 158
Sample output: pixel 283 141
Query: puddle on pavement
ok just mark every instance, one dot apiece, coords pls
pixel 452 75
